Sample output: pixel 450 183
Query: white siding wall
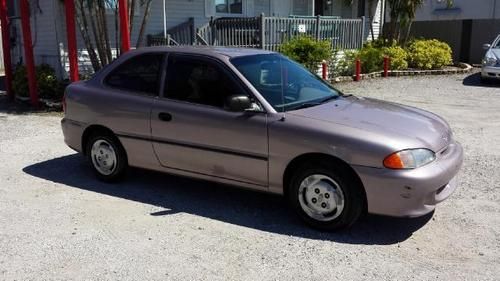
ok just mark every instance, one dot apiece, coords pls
pixel 377 17
pixel 43 34
pixel 262 6
pixel 178 11
pixel 51 28
pixel 281 8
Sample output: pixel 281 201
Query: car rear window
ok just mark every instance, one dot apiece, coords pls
pixel 140 74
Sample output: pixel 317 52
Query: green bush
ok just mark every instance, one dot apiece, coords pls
pixel 398 57
pixel 429 54
pixel 342 63
pixel 47 84
pixel 371 58
pixel 307 51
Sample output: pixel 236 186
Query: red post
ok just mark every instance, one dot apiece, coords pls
pixel 125 33
pixel 28 51
pixel 324 70
pixel 358 70
pixel 386 66
pixel 70 32
pixel 4 20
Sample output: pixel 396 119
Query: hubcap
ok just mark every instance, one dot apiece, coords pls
pixel 103 157
pixel 321 197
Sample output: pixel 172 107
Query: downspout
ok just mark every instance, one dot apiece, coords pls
pixel 382 19
pixel 164 19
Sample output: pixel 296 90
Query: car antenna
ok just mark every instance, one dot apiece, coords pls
pixel 282 76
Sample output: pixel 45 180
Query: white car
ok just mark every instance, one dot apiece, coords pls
pixel 491 63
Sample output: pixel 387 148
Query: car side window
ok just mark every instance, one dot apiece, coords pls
pixel 198 81
pixel 139 74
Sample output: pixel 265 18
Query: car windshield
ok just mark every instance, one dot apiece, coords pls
pixel 497 45
pixel 285 84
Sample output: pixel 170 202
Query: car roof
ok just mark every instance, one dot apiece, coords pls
pixel 206 50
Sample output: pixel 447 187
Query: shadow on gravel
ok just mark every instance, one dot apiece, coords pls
pixel 240 207
pixel 474 80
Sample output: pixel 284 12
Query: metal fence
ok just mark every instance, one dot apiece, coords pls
pixel 182 34
pixel 268 32
pixel 341 33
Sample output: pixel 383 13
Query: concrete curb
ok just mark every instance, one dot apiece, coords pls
pixel 464 68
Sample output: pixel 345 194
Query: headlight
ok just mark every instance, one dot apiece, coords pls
pixel 409 158
pixel 489 60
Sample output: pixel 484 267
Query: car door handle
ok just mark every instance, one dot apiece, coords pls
pixel 164 116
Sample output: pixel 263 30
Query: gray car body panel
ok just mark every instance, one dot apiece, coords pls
pixel 253 150
pixel 492 71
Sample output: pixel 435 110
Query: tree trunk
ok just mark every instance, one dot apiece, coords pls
pixel 145 18
pixel 95 31
pixel 131 8
pixel 408 30
pixel 104 25
pixel 84 30
pixel 117 33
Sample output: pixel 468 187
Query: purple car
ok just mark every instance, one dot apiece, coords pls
pixel 258 120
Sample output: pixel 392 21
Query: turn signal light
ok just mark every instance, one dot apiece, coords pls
pixel 409 158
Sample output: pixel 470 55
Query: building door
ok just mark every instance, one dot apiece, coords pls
pixel 319 7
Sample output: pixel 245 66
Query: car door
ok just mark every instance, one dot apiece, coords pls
pixel 191 130
pixel 124 104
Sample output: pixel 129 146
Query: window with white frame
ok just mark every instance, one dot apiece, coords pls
pixel 229 7
pixel 112 6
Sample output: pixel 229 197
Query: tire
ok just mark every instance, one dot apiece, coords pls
pixel 106 156
pixel 333 200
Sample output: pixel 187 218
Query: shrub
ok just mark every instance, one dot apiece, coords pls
pixel 429 54
pixel 371 58
pixel 398 57
pixel 342 63
pixel 47 84
pixel 307 51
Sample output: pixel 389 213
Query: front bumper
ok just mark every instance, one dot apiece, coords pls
pixel 492 72
pixel 415 192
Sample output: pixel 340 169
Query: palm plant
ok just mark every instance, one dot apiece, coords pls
pixel 402 14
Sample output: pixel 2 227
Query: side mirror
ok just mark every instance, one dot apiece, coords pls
pixel 486 46
pixel 238 103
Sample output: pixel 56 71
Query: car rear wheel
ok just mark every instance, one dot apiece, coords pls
pixel 326 196
pixel 107 157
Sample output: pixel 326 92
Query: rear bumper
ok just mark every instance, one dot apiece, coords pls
pixel 492 72
pixel 72 131
pixel 412 193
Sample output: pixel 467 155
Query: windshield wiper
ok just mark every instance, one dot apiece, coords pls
pixel 311 104
pixel 329 99
pixel 305 105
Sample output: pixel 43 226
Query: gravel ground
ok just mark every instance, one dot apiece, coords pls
pixel 58 222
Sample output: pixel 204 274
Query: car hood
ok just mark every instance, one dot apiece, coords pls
pixel 382 117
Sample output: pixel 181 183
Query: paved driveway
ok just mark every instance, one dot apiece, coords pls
pixel 58 222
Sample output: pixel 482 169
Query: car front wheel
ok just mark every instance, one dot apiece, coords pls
pixel 326 196
pixel 107 157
